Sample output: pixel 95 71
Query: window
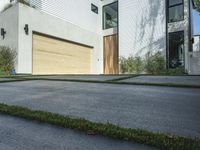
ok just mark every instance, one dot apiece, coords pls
pixel 94 8
pixel 110 15
pixel 175 10
pixel 176 49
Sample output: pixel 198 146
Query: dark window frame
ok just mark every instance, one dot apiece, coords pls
pixel 168 55
pixel 103 14
pixel 172 6
pixel 94 8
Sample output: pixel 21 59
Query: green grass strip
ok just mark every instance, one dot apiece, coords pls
pixel 159 140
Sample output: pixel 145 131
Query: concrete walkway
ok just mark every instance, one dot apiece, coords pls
pixel 192 80
pixel 159 109
pixel 19 134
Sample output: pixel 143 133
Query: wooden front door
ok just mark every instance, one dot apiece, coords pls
pixel 111 54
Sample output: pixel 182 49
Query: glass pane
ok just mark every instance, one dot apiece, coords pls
pixel 110 16
pixel 174 2
pixel 176 50
pixel 176 13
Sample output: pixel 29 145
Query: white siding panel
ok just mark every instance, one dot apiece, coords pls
pixel 77 12
pixel 142 27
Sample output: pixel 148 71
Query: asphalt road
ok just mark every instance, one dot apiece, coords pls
pixel 19 134
pixel 159 109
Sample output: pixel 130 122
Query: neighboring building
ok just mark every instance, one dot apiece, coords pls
pixel 89 36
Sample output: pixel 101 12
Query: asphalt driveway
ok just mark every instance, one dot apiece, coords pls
pixel 19 134
pixel 81 77
pixel 191 80
pixel 160 109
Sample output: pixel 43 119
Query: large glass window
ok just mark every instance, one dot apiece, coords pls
pixel 110 15
pixel 175 11
pixel 176 49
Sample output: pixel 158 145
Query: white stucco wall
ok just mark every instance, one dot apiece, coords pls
pixel 44 23
pixel 77 12
pixel 142 27
pixel 9 21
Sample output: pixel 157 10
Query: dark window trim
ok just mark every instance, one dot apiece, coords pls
pixel 103 14
pixel 175 5
pixel 181 31
pixel 96 12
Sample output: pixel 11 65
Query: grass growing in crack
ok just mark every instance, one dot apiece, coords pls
pixel 162 141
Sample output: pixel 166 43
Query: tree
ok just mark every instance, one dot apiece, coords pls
pixel 197 4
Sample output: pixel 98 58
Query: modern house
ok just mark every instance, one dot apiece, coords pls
pixel 89 36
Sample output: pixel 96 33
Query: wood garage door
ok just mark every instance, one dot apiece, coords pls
pixel 54 56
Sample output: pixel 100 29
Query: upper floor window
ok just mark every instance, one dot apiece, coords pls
pixel 94 8
pixel 175 10
pixel 110 15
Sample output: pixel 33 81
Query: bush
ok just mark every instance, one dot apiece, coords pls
pixel 131 64
pixel 7 59
pixel 176 71
pixel 155 63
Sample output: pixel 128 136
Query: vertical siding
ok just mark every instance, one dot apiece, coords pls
pixel 142 27
pixel 77 12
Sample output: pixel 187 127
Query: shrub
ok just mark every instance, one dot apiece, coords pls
pixel 176 71
pixel 131 64
pixel 7 59
pixel 155 63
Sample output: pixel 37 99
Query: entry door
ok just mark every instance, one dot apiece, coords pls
pixel 111 54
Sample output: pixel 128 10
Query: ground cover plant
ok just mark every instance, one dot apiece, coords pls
pixel 7 60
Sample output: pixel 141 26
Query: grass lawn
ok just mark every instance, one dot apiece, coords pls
pixel 159 140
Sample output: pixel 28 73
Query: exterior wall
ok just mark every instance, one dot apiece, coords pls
pixel 11 28
pixel 77 12
pixel 44 23
pixel 142 27
pixel 183 26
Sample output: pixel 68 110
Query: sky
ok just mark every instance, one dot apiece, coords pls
pixel 196 22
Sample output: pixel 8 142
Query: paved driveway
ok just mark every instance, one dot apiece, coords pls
pixel 194 80
pixel 18 134
pixel 81 77
pixel 163 109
